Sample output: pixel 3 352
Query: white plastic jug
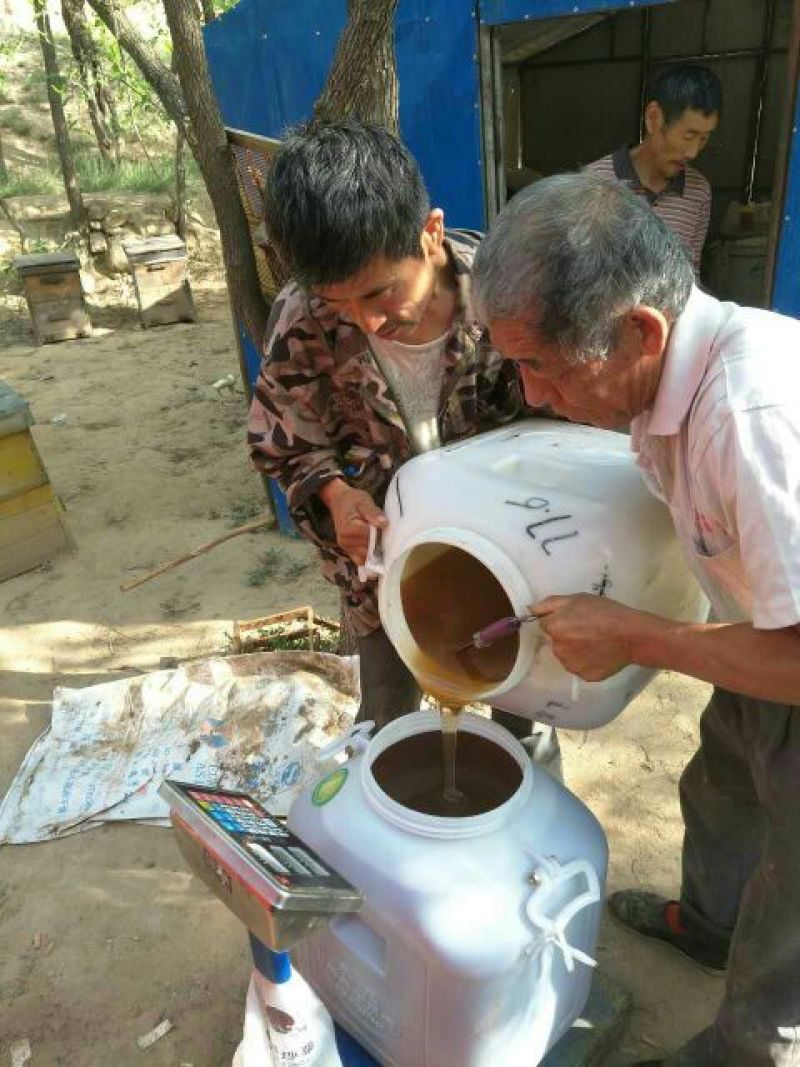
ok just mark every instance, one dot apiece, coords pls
pixel 474 944
pixel 489 526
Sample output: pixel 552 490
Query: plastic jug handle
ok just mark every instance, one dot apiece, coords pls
pixel 356 738
pixel 553 927
pixel 373 566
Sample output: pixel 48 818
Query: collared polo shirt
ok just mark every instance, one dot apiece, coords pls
pixel 721 446
pixel 684 204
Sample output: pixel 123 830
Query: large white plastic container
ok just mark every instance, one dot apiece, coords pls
pixel 548 508
pixel 474 945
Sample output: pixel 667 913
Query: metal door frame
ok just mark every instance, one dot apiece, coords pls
pixel 782 272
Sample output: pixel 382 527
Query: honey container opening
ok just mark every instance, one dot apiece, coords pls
pixel 410 772
pixel 447 595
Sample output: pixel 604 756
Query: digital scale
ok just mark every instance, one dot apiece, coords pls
pixel 282 891
pixel 274 883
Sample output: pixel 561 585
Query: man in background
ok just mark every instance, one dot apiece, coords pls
pixel 683 111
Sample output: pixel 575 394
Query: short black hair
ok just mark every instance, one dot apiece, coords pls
pixel 679 88
pixel 340 194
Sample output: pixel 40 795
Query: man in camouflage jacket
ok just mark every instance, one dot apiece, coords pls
pixel 348 213
pixel 323 410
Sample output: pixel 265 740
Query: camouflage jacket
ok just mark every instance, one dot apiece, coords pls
pixel 322 410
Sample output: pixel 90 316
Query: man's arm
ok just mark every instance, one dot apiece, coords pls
pixel 289 439
pixel 594 638
pixel 287 436
pixel 353 512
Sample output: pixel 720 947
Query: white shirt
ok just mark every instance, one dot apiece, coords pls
pixel 414 374
pixel 721 446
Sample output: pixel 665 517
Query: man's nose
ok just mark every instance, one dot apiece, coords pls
pixel 367 319
pixel 537 390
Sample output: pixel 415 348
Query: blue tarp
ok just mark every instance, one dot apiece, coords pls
pixel 268 63
pixel 269 60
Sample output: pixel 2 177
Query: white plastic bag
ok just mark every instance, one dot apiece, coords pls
pixel 286 1025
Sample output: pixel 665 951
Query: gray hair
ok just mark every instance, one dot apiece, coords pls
pixel 572 254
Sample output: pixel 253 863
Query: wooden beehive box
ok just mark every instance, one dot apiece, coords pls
pixel 32 524
pixel 55 298
pixel 158 266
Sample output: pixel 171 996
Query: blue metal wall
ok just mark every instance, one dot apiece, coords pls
pixel 269 60
pixel 786 290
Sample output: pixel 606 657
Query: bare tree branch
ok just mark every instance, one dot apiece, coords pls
pixel 155 72
pixel 98 99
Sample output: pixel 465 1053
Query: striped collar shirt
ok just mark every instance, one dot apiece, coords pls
pixel 684 205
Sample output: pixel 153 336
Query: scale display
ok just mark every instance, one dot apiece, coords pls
pixel 273 846
pixel 253 863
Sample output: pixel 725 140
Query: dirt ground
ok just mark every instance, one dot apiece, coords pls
pixel 105 934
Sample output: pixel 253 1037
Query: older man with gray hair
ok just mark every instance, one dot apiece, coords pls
pixel 589 293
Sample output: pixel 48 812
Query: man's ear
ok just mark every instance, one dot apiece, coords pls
pixel 653 117
pixel 432 234
pixel 646 331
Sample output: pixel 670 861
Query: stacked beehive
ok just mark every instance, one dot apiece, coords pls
pixel 32 525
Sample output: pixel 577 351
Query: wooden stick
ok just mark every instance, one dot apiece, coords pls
pixel 199 551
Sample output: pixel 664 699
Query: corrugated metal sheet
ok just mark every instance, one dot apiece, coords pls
pixel 499 12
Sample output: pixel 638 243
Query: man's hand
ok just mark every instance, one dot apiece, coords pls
pixel 353 512
pixel 591 636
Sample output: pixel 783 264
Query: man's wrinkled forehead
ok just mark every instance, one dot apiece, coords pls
pixel 521 340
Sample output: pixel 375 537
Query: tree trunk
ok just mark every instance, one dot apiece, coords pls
pixel 180 181
pixel 55 92
pixel 207 7
pixel 214 157
pixel 180 185
pixel 95 93
pixel 362 82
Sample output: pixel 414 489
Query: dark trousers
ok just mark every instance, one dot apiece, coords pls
pixel 389 690
pixel 740 797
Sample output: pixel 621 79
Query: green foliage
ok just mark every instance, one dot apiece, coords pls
pixel 295 568
pixel 132 175
pixel 17 121
pixel 279 641
pixel 269 566
pixel 10 47
pixel 32 182
pixel 138 106
pixel 146 134
pixel 276 564
pixel 94 176
pixel 34 87
pixel 244 511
